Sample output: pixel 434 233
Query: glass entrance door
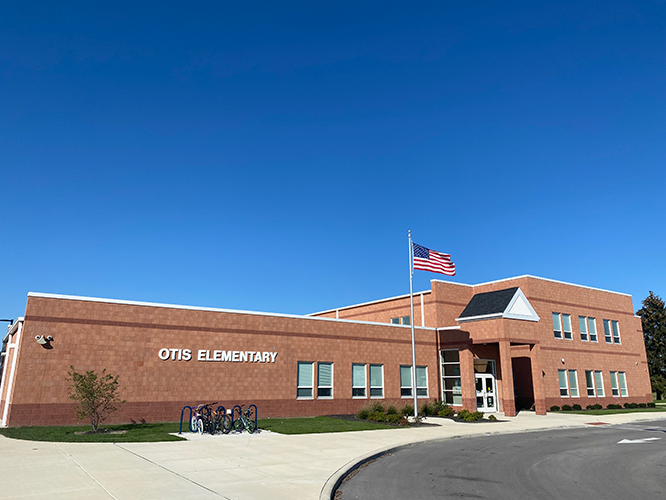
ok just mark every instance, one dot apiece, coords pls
pixel 485 392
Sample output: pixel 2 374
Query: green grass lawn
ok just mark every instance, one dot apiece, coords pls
pixel 135 433
pixel 611 412
pixel 314 425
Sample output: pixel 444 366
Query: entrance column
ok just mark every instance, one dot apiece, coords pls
pixel 508 397
pixel 467 383
pixel 537 381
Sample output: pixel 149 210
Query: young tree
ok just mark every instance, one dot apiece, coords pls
pixel 97 395
pixel 653 317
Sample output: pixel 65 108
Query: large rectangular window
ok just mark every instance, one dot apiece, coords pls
pixel 582 323
pixel 376 381
pixel 421 381
pixel 599 380
pixel 616 332
pixel 607 332
pixel 557 326
pixel 623 384
pixel 589 380
pixel 573 383
pixel 615 389
pixel 358 381
pixel 451 386
pixel 305 380
pixel 324 380
pixel 564 388
pixel 566 324
pixel 592 329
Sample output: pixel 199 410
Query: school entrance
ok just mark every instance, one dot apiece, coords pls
pixel 486 386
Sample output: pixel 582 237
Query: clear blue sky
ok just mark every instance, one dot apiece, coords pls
pixel 272 156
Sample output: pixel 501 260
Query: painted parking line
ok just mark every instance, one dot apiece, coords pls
pixel 637 441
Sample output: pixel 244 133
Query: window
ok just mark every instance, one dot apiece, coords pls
pixel 623 384
pixel 582 323
pixel 591 327
pixel 616 332
pixel 615 390
pixel 451 386
pixel 557 325
pixel 324 380
pixel 600 383
pixel 607 332
pixel 402 320
pixel 358 381
pixel 376 381
pixel 562 323
pixel 421 382
pixel 305 380
pixel 589 379
pixel 573 383
pixel 564 389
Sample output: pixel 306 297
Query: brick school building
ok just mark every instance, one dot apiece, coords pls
pixel 523 342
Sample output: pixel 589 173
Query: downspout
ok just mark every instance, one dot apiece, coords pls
pixel 18 328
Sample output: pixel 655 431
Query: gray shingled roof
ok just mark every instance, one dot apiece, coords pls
pixel 483 304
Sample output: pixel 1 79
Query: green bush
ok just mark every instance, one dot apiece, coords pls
pixel 473 417
pixel 594 407
pixel 566 408
pixel 363 413
pixel 391 410
pixel 577 407
pixel 438 406
pixel 407 410
pixel 447 411
pixel 631 405
pixel 377 416
pixel 377 407
pixel 554 408
pixel 614 407
pixel 651 404
pixel 642 405
pixel 393 418
pixel 462 414
pixel 492 418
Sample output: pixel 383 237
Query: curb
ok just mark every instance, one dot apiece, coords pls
pixel 336 479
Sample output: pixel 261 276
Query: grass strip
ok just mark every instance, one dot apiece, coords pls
pixel 133 433
pixel 315 425
pixel 612 412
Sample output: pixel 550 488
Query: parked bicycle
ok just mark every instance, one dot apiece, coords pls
pixel 207 419
pixel 246 419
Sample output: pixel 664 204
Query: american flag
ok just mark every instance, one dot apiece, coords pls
pixel 429 260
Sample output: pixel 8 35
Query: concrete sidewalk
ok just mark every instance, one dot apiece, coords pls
pixel 235 466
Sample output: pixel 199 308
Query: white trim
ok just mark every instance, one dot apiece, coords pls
pixel 482 316
pixel 10 383
pixel 405 296
pixel 422 311
pixel 504 314
pixel 209 309
pixel 533 277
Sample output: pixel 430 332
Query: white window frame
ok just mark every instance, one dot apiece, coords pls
pixel 557 329
pixel 443 365
pixel 582 326
pixel 608 334
pixel 575 380
pixel 562 375
pixel 592 322
pixel 299 387
pixel 319 385
pixel 615 330
pixel 365 381
pixel 622 378
pixel 421 391
pixel 599 382
pixel 587 384
pixel 615 385
pixel 401 320
pixel 375 387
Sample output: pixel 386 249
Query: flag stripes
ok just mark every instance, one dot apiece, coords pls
pixel 425 259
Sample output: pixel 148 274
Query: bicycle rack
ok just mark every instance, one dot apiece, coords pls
pixel 180 429
pixel 233 412
pixel 255 413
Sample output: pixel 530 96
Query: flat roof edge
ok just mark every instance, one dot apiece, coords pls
pixel 210 309
pixel 369 303
pixel 536 278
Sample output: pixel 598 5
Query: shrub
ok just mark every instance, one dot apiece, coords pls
pixel 97 395
pixel 577 407
pixel 377 407
pixel 407 410
pixel 393 418
pixel 377 416
pixel 463 414
pixel 566 408
pixel 631 405
pixel 642 405
pixel 554 408
pixel 438 406
pixel 614 407
pixel 363 413
pixel 447 411
pixel 404 422
pixel 651 404
pixel 473 417
pixel 594 407
pixel 426 409
pixel 492 418
pixel 391 410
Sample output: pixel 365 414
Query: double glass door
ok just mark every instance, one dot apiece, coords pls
pixel 486 388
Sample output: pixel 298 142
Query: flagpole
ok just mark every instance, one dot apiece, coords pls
pixel 411 321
